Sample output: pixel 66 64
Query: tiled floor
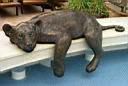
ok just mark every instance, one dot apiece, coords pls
pixel 7 15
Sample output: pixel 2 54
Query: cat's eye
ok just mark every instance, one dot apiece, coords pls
pixel 20 37
pixel 31 34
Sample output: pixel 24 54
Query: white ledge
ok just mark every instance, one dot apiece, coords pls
pixel 11 56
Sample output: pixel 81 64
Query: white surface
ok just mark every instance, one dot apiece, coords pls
pixel 11 56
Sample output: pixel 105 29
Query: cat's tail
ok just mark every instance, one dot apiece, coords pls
pixel 118 28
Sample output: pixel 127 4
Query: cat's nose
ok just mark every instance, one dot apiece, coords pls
pixel 29 45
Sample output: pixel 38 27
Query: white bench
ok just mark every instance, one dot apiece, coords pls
pixel 11 56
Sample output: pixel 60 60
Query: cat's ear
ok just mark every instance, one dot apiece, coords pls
pixel 38 23
pixel 8 29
